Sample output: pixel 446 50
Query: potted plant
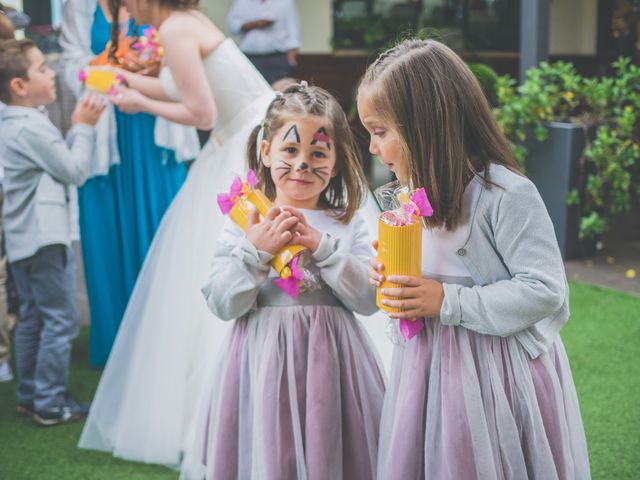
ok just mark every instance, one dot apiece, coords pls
pixel 579 141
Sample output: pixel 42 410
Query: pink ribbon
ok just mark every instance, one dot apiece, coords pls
pixel 291 285
pixel 419 198
pixel 409 328
pixel 226 201
pixel 419 205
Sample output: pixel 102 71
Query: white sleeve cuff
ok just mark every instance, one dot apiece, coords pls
pixel 450 312
pixel 253 257
pixel 326 247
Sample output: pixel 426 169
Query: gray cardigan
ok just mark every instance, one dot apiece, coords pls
pixel 38 166
pixel 514 259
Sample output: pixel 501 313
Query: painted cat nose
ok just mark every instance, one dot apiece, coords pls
pixel 303 166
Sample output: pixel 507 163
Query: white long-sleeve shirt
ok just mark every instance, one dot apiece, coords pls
pixel 282 35
pixel 239 271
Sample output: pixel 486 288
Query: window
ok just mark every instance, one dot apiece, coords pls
pixel 465 25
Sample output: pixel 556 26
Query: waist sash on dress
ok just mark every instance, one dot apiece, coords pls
pixel 271 295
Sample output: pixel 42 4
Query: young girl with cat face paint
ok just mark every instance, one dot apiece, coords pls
pixel 298 392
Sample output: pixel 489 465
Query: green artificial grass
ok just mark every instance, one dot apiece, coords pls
pixel 28 451
pixel 601 339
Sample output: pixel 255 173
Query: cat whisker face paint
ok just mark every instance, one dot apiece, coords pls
pixel 284 168
pixel 302 161
pixel 322 173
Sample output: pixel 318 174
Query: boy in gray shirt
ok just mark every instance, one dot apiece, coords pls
pixel 38 166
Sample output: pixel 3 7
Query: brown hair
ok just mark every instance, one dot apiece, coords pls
pixel 346 190
pixel 114 7
pixel 14 63
pixel 446 129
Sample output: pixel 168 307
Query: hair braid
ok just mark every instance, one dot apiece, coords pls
pixel 114 6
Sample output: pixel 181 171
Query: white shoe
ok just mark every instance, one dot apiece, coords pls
pixel 6 375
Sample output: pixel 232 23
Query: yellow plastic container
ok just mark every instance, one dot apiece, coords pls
pixel 240 214
pixel 100 80
pixel 400 251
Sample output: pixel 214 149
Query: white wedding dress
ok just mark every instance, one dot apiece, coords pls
pixel 146 401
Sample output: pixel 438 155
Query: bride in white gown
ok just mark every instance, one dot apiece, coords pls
pixel 147 398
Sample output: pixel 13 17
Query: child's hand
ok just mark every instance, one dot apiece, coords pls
pixel 128 100
pixel 273 233
pixel 375 276
pixel 421 297
pixel 305 234
pixel 88 109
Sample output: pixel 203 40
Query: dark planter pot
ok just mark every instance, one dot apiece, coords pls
pixel 553 166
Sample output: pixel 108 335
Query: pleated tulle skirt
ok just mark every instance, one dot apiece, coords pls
pixel 296 394
pixel 461 405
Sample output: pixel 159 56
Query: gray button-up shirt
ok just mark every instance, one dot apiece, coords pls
pixel 38 165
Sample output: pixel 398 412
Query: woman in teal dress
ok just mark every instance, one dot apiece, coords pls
pixel 121 208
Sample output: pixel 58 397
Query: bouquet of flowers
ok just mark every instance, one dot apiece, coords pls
pixel 400 242
pixel 148 46
pixel 289 263
pixel 140 54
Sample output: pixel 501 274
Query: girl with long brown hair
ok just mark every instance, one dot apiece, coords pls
pixel 484 391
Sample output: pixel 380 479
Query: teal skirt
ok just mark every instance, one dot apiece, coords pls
pixel 119 214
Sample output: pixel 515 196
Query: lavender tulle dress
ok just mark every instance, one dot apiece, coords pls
pixel 465 405
pixel 298 390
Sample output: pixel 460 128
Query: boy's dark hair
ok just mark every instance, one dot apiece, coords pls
pixel 13 64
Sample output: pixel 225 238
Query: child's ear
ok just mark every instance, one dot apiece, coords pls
pixel 18 87
pixel 265 153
